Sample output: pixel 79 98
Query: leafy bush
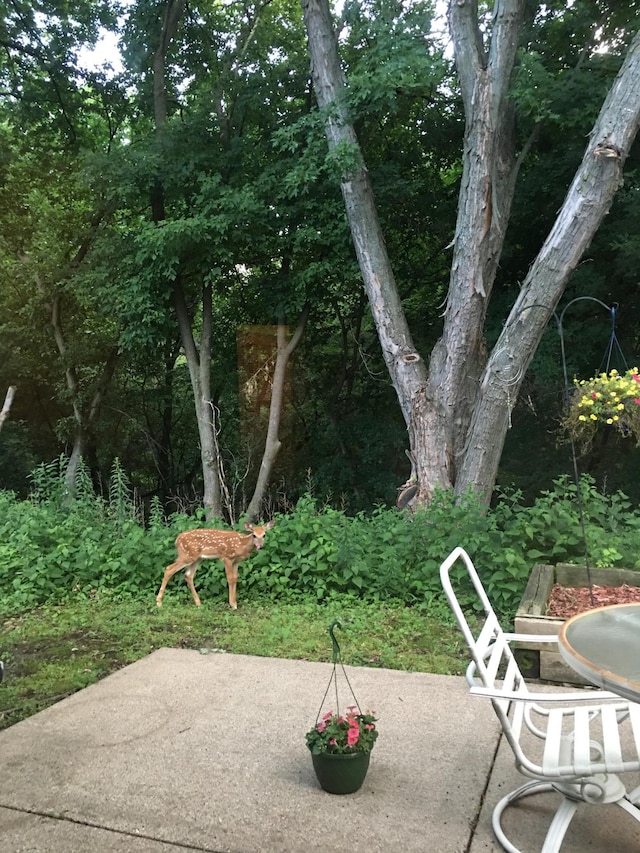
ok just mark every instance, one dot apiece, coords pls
pixel 53 547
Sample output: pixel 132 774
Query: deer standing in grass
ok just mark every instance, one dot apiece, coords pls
pixel 206 544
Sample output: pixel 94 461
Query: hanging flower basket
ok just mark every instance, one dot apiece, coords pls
pixel 611 399
pixel 341 744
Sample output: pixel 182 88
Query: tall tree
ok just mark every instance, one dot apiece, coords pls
pixel 457 410
pixel 198 358
pixel 215 198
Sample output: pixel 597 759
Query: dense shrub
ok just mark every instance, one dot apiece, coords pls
pixel 53 545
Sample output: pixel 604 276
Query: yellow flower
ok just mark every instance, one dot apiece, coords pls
pixel 620 407
pixel 609 420
pixel 582 418
pixel 616 418
pixel 593 417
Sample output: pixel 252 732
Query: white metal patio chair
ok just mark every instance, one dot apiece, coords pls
pixel 579 748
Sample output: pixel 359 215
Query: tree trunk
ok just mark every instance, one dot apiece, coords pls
pixel 458 413
pixel 285 350
pixel 199 372
pixel 586 204
pixel 199 363
pixel 406 368
pixel 6 408
pixel 441 418
pixel 173 11
pixel 84 421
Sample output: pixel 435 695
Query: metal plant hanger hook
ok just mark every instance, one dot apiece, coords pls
pixel 613 339
pixel 337 661
pixel 336 646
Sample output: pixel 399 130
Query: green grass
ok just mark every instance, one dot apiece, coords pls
pixel 53 651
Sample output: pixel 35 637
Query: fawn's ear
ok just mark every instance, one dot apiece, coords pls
pixel 269 525
pixel 247 526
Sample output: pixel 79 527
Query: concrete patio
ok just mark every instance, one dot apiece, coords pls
pixel 189 751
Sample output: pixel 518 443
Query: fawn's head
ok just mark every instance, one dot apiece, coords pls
pixel 258 533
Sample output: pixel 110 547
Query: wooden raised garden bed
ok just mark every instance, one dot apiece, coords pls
pixel 538 660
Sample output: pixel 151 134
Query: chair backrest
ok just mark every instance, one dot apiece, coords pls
pixel 492 664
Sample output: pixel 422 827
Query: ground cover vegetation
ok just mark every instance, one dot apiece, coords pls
pixel 78 580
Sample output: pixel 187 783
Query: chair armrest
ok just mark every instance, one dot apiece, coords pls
pixel 532 638
pixel 594 696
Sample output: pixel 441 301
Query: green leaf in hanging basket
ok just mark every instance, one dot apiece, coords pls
pixel 334 733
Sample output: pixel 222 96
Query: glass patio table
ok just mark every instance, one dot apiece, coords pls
pixel 603 646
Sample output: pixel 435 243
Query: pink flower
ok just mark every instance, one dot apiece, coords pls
pixel 637 401
pixel 635 377
pixel 333 742
pixel 369 727
pixel 321 726
pixel 328 715
pixel 352 735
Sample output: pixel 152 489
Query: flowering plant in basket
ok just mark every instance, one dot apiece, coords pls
pixel 610 398
pixel 353 732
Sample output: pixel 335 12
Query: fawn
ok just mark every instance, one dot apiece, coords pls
pixel 206 544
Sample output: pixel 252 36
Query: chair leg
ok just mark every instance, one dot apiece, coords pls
pixel 561 819
pixel 629 806
pixel 559 824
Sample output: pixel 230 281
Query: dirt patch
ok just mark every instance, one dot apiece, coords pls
pixel 566 601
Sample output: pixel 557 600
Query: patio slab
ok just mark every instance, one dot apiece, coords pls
pixel 189 751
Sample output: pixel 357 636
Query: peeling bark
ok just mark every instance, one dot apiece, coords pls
pixel 406 368
pixel 587 203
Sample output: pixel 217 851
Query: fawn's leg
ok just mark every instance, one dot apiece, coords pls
pixel 231 571
pixel 169 573
pixel 188 576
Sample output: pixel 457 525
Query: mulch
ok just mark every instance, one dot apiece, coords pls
pixel 566 601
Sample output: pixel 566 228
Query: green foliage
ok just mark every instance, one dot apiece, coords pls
pixel 52 549
pixel 338 734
